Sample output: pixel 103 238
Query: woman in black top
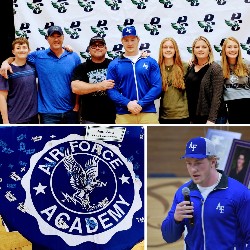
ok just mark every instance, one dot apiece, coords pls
pixel 204 84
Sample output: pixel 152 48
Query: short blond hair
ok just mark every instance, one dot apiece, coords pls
pixel 214 157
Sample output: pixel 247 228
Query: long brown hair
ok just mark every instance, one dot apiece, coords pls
pixel 176 77
pixel 240 68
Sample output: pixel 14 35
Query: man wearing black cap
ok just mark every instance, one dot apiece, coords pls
pixel 89 81
pixel 217 216
pixel 54 67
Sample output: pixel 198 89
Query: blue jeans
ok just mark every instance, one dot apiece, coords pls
pixel 221 120
pixel 69 117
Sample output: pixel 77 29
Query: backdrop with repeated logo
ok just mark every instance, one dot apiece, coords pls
pixel 184 20
pixel 73 187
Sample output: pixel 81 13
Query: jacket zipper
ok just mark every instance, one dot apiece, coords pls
pixel 202 223
pixel 136 86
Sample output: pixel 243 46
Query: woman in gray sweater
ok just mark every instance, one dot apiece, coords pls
pixel 236 72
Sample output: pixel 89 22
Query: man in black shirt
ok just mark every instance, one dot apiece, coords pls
pixel 89 81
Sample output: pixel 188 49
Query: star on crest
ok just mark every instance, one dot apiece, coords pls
pixel 40 189
pixel 124 179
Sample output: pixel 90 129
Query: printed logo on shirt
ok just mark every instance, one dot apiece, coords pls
pixel 220 208
pixel 81 190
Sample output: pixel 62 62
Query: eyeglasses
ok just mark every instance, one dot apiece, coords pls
pixel 94 46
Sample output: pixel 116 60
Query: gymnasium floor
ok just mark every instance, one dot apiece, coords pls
pixel 159 201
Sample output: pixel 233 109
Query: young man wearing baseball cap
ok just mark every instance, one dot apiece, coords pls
pixel 217 215
pixel 89 81
pixel 54 67
pixel 137 82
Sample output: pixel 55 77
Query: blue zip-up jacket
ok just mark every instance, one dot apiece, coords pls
pixel 221 222
pixel 139 81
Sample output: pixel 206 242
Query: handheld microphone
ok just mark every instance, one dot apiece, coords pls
pixel 186 194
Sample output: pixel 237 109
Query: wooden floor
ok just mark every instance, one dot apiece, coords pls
pixel 12 240
pixel 159 201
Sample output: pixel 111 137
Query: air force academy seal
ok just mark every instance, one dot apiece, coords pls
pixel 81 190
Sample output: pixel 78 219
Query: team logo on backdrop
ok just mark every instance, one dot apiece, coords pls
pixel 218 48
pixel 166 3
pixel 86 5
pixel 141 4
pixel 207 23
pixel 246 46
pixel 127 22
pixel 116 52
pixel 73 30
pixel 145 47
pixel 43 31
pixel 193 2
pixel 153 26
pixel 235 21
pixel 221 2
pixel 15 5
pixel 100 28
pixel 60 5
pixel 189 49
pixel 113 4
pixel 180 25
pixel 78 189
pixel 23 31
pixel 85 55
pixel 35 6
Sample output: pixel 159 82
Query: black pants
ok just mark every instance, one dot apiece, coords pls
pixel 238 111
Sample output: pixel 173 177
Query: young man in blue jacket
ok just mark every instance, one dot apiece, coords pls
pixel 218 216
pixel 137 82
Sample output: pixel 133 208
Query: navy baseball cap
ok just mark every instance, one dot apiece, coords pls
pixel 54 29
pixel 199 148
pixel 129 31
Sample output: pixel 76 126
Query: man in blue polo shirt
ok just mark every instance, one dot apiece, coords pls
pixel 54 67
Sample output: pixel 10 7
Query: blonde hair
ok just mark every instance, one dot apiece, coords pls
pixel 176 76
pixel 240 67
pixel 214 157
pixel 210 55
pixel 21 41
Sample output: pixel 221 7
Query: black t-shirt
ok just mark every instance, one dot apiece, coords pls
pixel 193 81
pixel 96 107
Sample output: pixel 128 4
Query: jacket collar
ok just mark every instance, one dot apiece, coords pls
pixel 123 57
pixel 223 184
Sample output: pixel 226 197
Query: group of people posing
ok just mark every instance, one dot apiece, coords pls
pixel 52 86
